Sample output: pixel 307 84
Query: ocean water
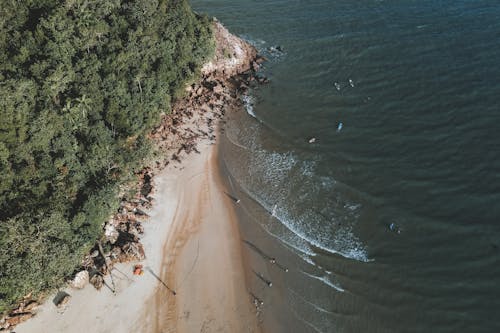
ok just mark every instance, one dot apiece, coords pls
pixel 390 220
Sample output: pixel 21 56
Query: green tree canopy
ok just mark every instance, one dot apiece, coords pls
pixel 79 79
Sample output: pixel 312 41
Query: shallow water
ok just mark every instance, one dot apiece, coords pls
pixel 401 97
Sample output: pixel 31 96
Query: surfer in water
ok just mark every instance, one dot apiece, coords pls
pixel 393 227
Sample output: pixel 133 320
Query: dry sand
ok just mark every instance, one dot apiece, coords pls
pixel 192 244
pixel 89 310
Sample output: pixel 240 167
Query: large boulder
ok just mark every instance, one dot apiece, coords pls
pixel 81 280
pixel 111 233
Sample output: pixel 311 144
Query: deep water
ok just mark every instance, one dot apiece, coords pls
pixel 389 221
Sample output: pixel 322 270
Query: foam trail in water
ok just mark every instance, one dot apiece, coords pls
pixel 271 53
pixel 307 259
pixel 235 143
pixel 259 44
pixel 308 323
pixel 316 307
pixel 325 280
pixel 248 103
pixel 304 251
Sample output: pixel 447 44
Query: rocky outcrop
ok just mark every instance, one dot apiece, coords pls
pixel 24 311
pixel 233 55
pixel 230 73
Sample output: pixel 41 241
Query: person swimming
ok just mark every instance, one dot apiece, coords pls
pixel 393 227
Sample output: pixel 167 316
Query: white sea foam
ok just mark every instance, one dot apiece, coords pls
pixel 290 240
pixel 307 259
pixel 289 200
pixel 344 243
pixel 326 280
pixel 303 249
pixel 308 169
pixel 248 103
pixel 275 169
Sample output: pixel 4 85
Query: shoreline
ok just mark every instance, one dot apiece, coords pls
pixel 202 260
pixel 130 307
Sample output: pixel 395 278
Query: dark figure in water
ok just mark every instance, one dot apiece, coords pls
pixel 395 228
pixel 265 256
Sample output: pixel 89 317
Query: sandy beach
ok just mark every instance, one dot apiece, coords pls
pixel 89 310
pixel 193 246
pixel 193 278
pixel 202 261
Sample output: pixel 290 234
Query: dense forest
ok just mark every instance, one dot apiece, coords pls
pixel 82 81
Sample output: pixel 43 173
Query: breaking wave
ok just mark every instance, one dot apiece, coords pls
pixel 248 103
pixel 287 188
pixel 285 172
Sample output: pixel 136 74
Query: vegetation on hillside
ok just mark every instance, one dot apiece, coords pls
pixel 81 82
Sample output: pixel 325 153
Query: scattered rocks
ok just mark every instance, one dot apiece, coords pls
pixel 134 251
pixel 276 49
pixel 61 298
pixel 218 89
pixel 146 187
pixel 121 234
pixel 15 320
pixel 24 311
pixel 97 281
pixel 81 280
pixel 138 211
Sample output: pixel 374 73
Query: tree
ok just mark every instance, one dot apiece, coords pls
pixel 81 82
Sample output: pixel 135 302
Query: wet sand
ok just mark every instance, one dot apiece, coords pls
pixel 202 261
